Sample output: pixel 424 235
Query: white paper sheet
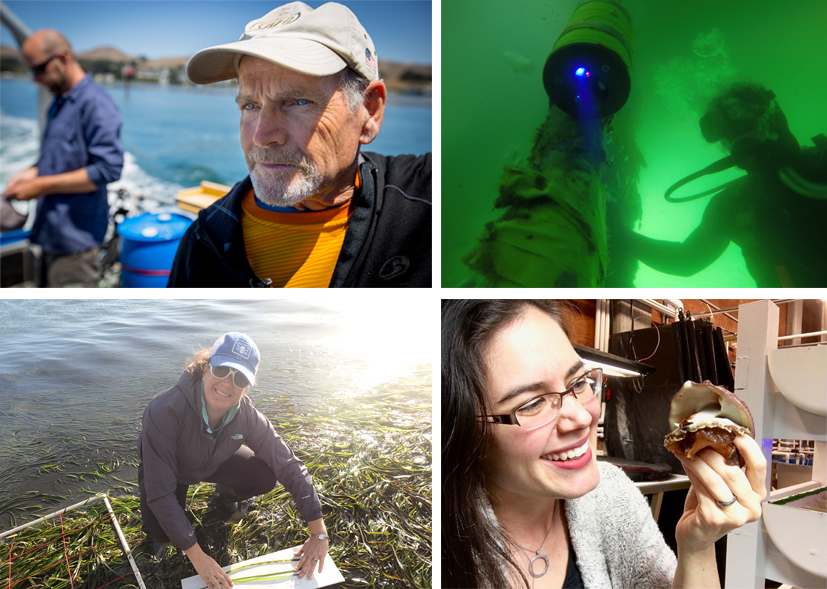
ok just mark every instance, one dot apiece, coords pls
pixel 328 576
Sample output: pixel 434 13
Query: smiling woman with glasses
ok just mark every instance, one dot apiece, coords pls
pixel 524 501
pixel 205 429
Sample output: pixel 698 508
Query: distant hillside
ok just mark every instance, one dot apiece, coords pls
pixel 170 62
pixel 10 60
pixel 6 51
pixel 106 54
pixel 397 76
pixel 403 76
pixel 99 54
pixel 101 60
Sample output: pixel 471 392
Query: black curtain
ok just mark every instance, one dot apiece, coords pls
pixel 637 412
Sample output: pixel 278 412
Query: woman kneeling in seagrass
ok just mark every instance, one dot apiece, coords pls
pixel 206 429
pixel 525 503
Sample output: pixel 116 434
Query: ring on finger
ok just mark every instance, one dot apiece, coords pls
pixel 727 503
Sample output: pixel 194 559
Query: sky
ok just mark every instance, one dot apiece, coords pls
pixel 401 30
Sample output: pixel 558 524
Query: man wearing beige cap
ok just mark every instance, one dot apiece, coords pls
pixel 314 211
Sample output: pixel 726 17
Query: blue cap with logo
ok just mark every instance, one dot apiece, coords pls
pixel 238 351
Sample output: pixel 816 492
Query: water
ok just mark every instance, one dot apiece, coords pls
pixel 76 375
pixel 177 136
pixel 493 101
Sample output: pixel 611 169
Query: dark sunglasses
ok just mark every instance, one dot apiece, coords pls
pixel 239 380
pixel 40 68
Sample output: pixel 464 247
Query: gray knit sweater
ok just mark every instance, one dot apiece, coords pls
pixel 616 540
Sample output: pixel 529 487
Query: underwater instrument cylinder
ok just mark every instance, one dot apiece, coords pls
pixel 592 54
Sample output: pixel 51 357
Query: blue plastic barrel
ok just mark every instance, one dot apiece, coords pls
pixel 9 237
pixel 150 242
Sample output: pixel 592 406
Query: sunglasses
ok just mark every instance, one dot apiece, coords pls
pixel 239 380
pixel 39 69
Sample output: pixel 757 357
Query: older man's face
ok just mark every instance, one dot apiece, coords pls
pixel 298 136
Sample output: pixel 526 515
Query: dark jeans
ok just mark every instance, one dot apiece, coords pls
pixel 245 474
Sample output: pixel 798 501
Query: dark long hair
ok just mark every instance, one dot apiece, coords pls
pixel 474 553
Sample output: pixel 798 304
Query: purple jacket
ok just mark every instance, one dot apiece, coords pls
pixel 176 449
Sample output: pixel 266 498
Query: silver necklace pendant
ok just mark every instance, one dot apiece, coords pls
pixel 531 565
pixel 537 552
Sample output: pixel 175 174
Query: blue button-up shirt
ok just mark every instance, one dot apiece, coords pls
pixel 83 131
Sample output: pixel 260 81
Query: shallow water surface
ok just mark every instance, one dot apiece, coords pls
pixel 76 375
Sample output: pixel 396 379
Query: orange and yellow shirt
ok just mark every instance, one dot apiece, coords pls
pixel 294 250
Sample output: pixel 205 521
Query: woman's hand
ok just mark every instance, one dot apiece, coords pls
pixel 210 572
pixel 704 521
pixel 312 553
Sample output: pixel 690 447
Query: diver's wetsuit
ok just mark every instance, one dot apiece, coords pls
pixel 782 234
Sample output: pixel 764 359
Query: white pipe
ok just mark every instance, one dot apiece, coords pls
pixel 81 504
pixel 673 313
pixel 788 346
pixel 598 323
pixel 17 27
pixel 601 325
pixel 124 544
pixel 608 326
pixel 795 318
pixel 674 303
pixel 800 335
pixel 823 320
pixel 50 516
pixel 22 32
pixel 604 319
pixel 602 332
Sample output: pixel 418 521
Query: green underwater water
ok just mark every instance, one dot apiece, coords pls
pixel 493 101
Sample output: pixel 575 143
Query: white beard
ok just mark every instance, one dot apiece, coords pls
pixel 282 189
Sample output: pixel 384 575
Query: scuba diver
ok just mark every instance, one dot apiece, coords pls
pixel 776 214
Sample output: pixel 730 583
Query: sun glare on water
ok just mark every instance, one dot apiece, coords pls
pixel 390 338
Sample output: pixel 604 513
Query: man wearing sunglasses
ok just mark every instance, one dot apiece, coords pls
pixel 80 154
pixel 205 429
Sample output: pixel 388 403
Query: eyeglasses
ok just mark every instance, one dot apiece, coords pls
pixel 543 409
pixel 39 69
pixel 222 372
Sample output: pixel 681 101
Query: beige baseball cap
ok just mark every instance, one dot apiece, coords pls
pixel 316 42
